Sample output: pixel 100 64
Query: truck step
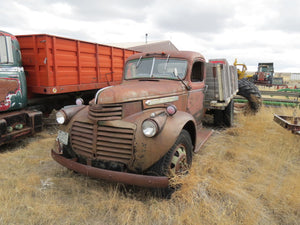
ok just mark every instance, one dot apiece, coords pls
pixel 202 137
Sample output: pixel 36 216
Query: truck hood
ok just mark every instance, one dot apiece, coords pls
pixel 140 90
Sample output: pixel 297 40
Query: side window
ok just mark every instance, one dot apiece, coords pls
pixel 6 53
pixel 197 72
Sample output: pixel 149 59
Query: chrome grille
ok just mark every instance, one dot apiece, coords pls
pixel 105 112
pixel 109 143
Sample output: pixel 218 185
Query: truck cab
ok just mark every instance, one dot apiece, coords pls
pixel 15 121
pixel 13 94
pixel 264 74
pixel 144 130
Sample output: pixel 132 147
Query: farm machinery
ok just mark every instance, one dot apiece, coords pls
pixel 291 123
pixel 247 89
pixel 264 74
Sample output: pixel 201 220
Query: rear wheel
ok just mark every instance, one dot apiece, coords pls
pixel 225 117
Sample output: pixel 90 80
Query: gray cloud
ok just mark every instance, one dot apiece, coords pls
pixel 288 17
pixel 250 30
pixel 192 17
pixel 94 10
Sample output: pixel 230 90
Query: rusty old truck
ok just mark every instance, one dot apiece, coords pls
pixel 146 129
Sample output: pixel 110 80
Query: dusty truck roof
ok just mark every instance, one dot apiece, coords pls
pixel 174 54
pixel 164 45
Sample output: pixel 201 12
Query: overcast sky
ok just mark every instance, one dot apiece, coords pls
pixel 251 30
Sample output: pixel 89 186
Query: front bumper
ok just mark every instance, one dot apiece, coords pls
pixel 109 175
pixel 30 120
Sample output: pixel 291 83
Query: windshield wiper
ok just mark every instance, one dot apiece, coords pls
pixel 138 63
pixel 167 60
pixel 152 68
pixel 179 78
pixel 148 79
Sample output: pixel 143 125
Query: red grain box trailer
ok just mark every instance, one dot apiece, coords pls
pixel 56 65
pixel 53 72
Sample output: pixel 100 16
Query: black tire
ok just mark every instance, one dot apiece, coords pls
pixel 229 114
pixel 177 160
pixel 248 90
pixel 225 117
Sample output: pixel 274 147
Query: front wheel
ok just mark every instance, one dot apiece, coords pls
pixel 178 159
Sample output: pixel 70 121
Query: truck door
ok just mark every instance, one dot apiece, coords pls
pixel 13 92
pixel 196 93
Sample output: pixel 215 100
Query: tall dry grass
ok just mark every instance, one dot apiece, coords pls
pixel 248 174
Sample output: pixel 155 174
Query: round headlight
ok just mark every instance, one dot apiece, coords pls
pixel 60 117
pixel 149 128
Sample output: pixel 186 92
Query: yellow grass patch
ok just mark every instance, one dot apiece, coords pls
pixel 247 174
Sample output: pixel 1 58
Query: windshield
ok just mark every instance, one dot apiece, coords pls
pixel 166 68
pixel 265 68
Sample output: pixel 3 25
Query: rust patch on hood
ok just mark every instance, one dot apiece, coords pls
pixel 143 89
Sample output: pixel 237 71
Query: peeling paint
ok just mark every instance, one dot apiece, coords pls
pixel 10 93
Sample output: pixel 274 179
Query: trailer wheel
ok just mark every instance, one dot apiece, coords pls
pixel 248 90
pixel 225 117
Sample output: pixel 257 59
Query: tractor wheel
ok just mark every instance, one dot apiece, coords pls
pixel 249 91
pixel 224 117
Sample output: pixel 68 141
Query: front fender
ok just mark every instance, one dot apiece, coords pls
pixel 148 151
pixel 80 113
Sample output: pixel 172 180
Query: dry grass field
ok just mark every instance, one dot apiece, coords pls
pixel 248 174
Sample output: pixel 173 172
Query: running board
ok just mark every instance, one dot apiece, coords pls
pixel 202 136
